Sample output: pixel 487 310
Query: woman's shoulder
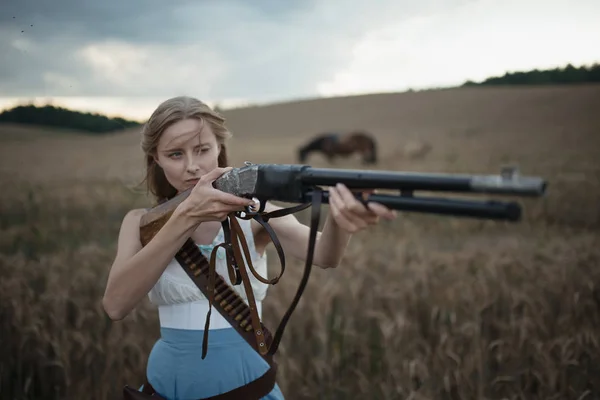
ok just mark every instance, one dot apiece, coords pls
pixel 135 214
pixel 129 236
pixel 133 217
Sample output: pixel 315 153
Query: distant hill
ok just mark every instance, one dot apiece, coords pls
pixel 63 118
pixel 556 76
pixel 95 123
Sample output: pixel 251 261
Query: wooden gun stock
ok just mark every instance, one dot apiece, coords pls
pixel 156 217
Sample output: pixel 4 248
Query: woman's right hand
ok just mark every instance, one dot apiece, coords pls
pixel 205 203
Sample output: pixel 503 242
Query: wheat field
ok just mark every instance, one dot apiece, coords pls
pixel 424 307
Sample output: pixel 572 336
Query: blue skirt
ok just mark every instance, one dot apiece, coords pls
pixel 177 371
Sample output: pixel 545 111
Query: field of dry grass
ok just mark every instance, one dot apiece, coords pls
pixel 422 308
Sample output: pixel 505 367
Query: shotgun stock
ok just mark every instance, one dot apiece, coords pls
pixel 156 217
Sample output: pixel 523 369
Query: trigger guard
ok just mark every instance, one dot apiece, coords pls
pixel 248 213
pixel 261 208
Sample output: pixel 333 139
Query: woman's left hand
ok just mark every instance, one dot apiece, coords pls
pixel 350 214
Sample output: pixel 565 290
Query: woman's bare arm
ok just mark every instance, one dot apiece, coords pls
pixel 346 217
pixel 330 243
pixel 136 270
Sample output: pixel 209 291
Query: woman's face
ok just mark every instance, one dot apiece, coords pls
pixel 186 151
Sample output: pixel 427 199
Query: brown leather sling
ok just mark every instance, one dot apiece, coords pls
pixel 243 317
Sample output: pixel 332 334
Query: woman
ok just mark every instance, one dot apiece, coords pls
pixel 184 144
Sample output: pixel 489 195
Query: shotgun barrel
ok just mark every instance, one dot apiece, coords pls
pixel 508 182
pixel 289 182
pixel 481 209
pixel 296 183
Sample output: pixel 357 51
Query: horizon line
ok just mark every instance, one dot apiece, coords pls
pixel 240 104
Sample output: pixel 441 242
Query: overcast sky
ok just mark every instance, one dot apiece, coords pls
pixel 125 56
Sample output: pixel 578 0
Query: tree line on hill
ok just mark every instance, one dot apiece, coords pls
pixel 59 117
pixel 96 123
pixel 556 76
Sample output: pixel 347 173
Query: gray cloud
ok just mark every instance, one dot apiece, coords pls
pixel 134 20
pixel 219 49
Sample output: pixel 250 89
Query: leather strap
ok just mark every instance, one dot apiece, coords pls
pixel 255 390
pixel 244 317
pixel 314 226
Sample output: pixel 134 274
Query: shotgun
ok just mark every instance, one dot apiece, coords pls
pixel 296 183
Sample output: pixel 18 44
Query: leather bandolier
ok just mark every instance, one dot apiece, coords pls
pixel 241 315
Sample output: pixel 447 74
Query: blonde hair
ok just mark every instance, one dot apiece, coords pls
pixel 167 113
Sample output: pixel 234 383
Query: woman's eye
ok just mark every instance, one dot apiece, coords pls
pixel 175 154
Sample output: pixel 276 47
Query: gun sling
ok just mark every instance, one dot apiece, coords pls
pixel 243 317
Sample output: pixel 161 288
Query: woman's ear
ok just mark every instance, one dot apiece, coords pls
pixel 222 157
pixel 155 158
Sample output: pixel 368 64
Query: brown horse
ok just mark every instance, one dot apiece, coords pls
pixel 341 144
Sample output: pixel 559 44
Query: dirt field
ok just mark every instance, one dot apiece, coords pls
pixel 422 308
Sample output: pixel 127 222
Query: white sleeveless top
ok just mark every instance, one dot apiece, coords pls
pixel 178 297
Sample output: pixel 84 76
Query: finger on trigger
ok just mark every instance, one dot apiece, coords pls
pixel 233 200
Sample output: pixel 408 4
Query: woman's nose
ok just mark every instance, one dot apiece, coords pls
pixel 192 168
